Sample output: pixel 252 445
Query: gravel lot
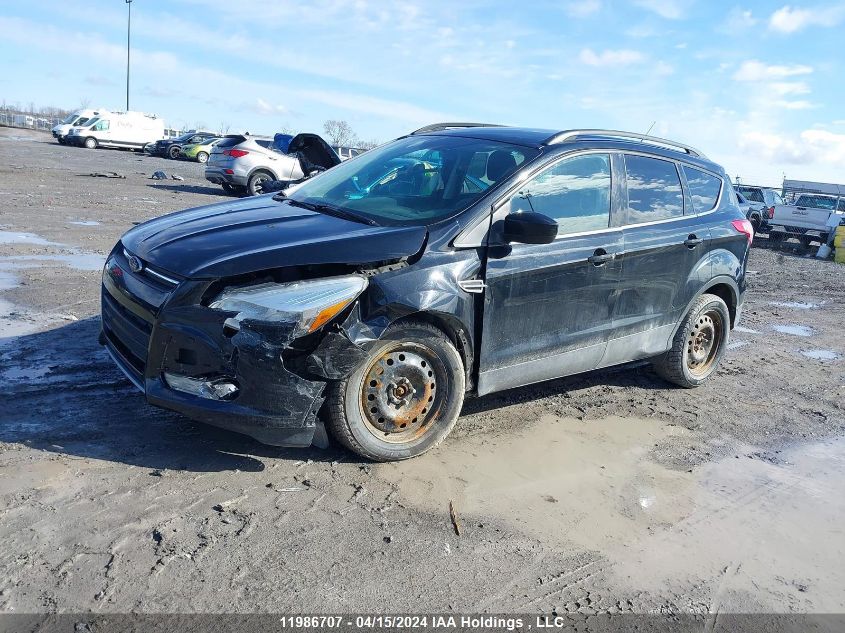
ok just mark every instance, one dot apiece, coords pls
pixel 610 491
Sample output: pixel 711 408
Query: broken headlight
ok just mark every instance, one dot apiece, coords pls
pixel 310 304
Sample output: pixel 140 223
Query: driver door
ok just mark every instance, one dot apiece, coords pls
pixel 548 308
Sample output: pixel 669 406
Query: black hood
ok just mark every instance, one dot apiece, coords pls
pixel 255 234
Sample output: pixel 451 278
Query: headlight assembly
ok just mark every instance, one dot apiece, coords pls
pixel 311 304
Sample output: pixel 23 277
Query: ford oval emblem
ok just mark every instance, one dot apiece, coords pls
pixel 135 264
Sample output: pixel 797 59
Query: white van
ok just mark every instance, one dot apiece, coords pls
pixel 80 117
pixel 118 129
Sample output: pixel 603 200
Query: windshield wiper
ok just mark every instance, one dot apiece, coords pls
pixel 329 209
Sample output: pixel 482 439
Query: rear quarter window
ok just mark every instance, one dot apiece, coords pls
pixel 654 189
pixel 704 189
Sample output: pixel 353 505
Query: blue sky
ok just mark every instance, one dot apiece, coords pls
pixel 757 86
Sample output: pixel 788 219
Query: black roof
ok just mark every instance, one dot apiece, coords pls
pixel 531 137
pixel 540 138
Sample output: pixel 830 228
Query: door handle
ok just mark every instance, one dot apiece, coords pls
pixel 601 257
pixel 692 241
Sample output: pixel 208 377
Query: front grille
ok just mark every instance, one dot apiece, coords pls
pixel 128 333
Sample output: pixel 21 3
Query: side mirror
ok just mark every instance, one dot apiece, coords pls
pixel 530 228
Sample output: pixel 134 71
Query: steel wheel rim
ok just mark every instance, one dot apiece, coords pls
pixel 402 392
pixel 202 157
pixel 259 182
pixel 704 342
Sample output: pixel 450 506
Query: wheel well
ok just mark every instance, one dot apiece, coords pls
pixel 726 294
pixel 264 170
pixel 456 333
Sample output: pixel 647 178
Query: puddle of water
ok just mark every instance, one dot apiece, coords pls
pixel 798 305
pixel 821 354
pixel 591 485
pixel 561 480
pixel 794 330
pixel 79 261
pixel 20 374
pixel 738 344
pixel 85 223
pixel 745 330
pixel 13 237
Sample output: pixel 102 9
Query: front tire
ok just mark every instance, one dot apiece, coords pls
pixel 698 345
pixel 91 142
pixel 404 399
pixel 173 152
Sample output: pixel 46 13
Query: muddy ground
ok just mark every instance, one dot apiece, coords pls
pixel 610 491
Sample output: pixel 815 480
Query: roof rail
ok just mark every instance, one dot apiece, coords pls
pixel 439 127
pixel 571 135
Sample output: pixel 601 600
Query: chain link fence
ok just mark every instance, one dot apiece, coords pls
pixel 13 117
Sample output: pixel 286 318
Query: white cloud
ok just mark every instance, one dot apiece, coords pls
pixel 664 69
pixel 266 108
pixel 623 57
pixel 754 70
pixel 669 9
pixel 784 88
pixel 583 8
pixel 811 146
pixel 739 21
pixel 790 19
pixel 794 105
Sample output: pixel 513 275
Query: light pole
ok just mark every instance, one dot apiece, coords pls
pixel 128 30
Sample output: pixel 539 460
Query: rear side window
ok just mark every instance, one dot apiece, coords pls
pixel 704 189
pixel 841 205
pixel 574 191
pixel 230 141
pixel 755 195
pixel 263 143
pixel 654 190
pixel 777 198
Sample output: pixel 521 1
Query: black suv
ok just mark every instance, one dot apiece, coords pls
pixel 171 147
pixel 459 259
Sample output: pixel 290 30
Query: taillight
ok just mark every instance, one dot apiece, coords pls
pixel 235 153
pixel 770 212
pixel 744 226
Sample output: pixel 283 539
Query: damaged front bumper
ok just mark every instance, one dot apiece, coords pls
pixel 185 357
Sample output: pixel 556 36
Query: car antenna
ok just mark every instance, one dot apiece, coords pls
pixel 653 123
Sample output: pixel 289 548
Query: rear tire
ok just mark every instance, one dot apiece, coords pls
pixel 254 185
pixel 202 157
pixel 404 398
pixel 698 345
pixel 756 221
pixel 91 142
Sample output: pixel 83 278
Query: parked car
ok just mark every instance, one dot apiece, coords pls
pixel 811 218
pixel 241 164
pixel 78 118
pixel 345 153
pixel 764 196
pixel 753 211
pixel 200 151
pixel 391 306
pixel 171 147
pixel 130 130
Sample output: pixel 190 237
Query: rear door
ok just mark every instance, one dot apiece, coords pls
pixel 665 245
pixel 548 308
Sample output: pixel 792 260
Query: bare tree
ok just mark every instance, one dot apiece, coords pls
pixel 361 144
pixel 339 133
pixel 84 103
pixel 224 128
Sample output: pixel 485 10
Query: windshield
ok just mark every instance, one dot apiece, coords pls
pixel 70 118
pixel 416 180
pixel 88 122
